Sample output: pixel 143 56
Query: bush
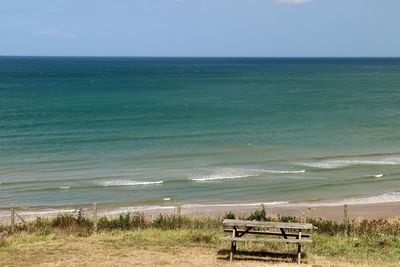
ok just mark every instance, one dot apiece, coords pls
pixel 123 222
pixel 258 215
pixel 376 227
pixel 168 222
pixel 229 215
pixel 73 223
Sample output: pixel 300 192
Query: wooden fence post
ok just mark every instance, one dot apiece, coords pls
pixel 345 220
pixel 12 210
pixel 94 209
pixel 178 209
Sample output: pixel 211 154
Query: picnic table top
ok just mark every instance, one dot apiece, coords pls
pixel 266 224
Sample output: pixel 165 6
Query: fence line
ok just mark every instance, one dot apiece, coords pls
pixel 341 214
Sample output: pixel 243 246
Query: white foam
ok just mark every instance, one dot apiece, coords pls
pixel 334 164
pixel 166 198
pixel 282 171
pixel 383 198
pixel 226 173
pixel 218 177
pixel 128 183
pixel 241 173
pixel 375 175
pixel 65 187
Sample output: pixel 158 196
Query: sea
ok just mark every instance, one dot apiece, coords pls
pixel 156 131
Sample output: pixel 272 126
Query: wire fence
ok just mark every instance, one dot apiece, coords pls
pixel 339 213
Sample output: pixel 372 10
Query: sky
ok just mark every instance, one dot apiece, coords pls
pixel 198 28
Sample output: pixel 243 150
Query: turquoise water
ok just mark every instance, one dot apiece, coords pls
pixel 125 131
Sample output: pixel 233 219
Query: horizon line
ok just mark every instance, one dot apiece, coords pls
pixel 238 57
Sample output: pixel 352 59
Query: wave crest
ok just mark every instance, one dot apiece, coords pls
pixel 128 183
pixel 217 177
pixel 282 171
pixel 335 164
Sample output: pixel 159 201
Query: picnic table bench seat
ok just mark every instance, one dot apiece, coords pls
pixel 239 228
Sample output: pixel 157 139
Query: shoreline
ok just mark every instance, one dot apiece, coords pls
pixel 329 211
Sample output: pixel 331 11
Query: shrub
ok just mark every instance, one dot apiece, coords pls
pixel 123 222
pixel 376 227
pixel 258 215
pixel 168 222
pixel 73 223
pixel 229 215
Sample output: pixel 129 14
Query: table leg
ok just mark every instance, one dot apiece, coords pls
pixel 299 250
pixel 233 246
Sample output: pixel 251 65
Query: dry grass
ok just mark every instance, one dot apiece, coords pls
pixel 139 248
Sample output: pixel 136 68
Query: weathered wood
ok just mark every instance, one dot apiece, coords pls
pixel 241 233
pixel 12 210
pixel 178 209
pixel 233 245
pixel 259 224
pixel 299 248
pixel 255 232
pixel 345 220
pixel 255 239
pixel 283 233
pixel 94 208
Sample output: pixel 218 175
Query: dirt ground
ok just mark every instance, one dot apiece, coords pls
pixel 106 251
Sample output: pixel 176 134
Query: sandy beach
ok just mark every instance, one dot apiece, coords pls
pixel 335 212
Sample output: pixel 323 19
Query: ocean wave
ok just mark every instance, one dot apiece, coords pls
pixel 282 171
pixel 228 173
pixel 334 164
pixel 375 175
pixel 225 173
pixel 383 198
pixel 65 187
pixel 128 183
pixel 222 177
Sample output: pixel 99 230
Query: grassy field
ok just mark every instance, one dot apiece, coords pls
pixel 156 247
pixel 130 240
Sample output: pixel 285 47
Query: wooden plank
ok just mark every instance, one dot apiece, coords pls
pixel 261 224
pixel 241 233
pixel 279 240
pixel 299 249
pixel 266 233
pixel 233 245
pixel 12 219
pixel 94 210
pixel 283 233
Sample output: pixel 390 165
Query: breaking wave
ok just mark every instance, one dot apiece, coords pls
pixel 221 177
pixel 282 172
pixel 128 183
pixel 334 164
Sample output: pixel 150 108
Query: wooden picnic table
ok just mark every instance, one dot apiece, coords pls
pixel 289 233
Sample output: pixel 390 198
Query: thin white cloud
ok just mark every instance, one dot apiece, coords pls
pixel 293 2
pixel 55 33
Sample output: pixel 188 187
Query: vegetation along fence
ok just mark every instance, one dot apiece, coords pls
pixel 346 219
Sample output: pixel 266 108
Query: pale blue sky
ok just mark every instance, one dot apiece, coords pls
pixel 200 27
